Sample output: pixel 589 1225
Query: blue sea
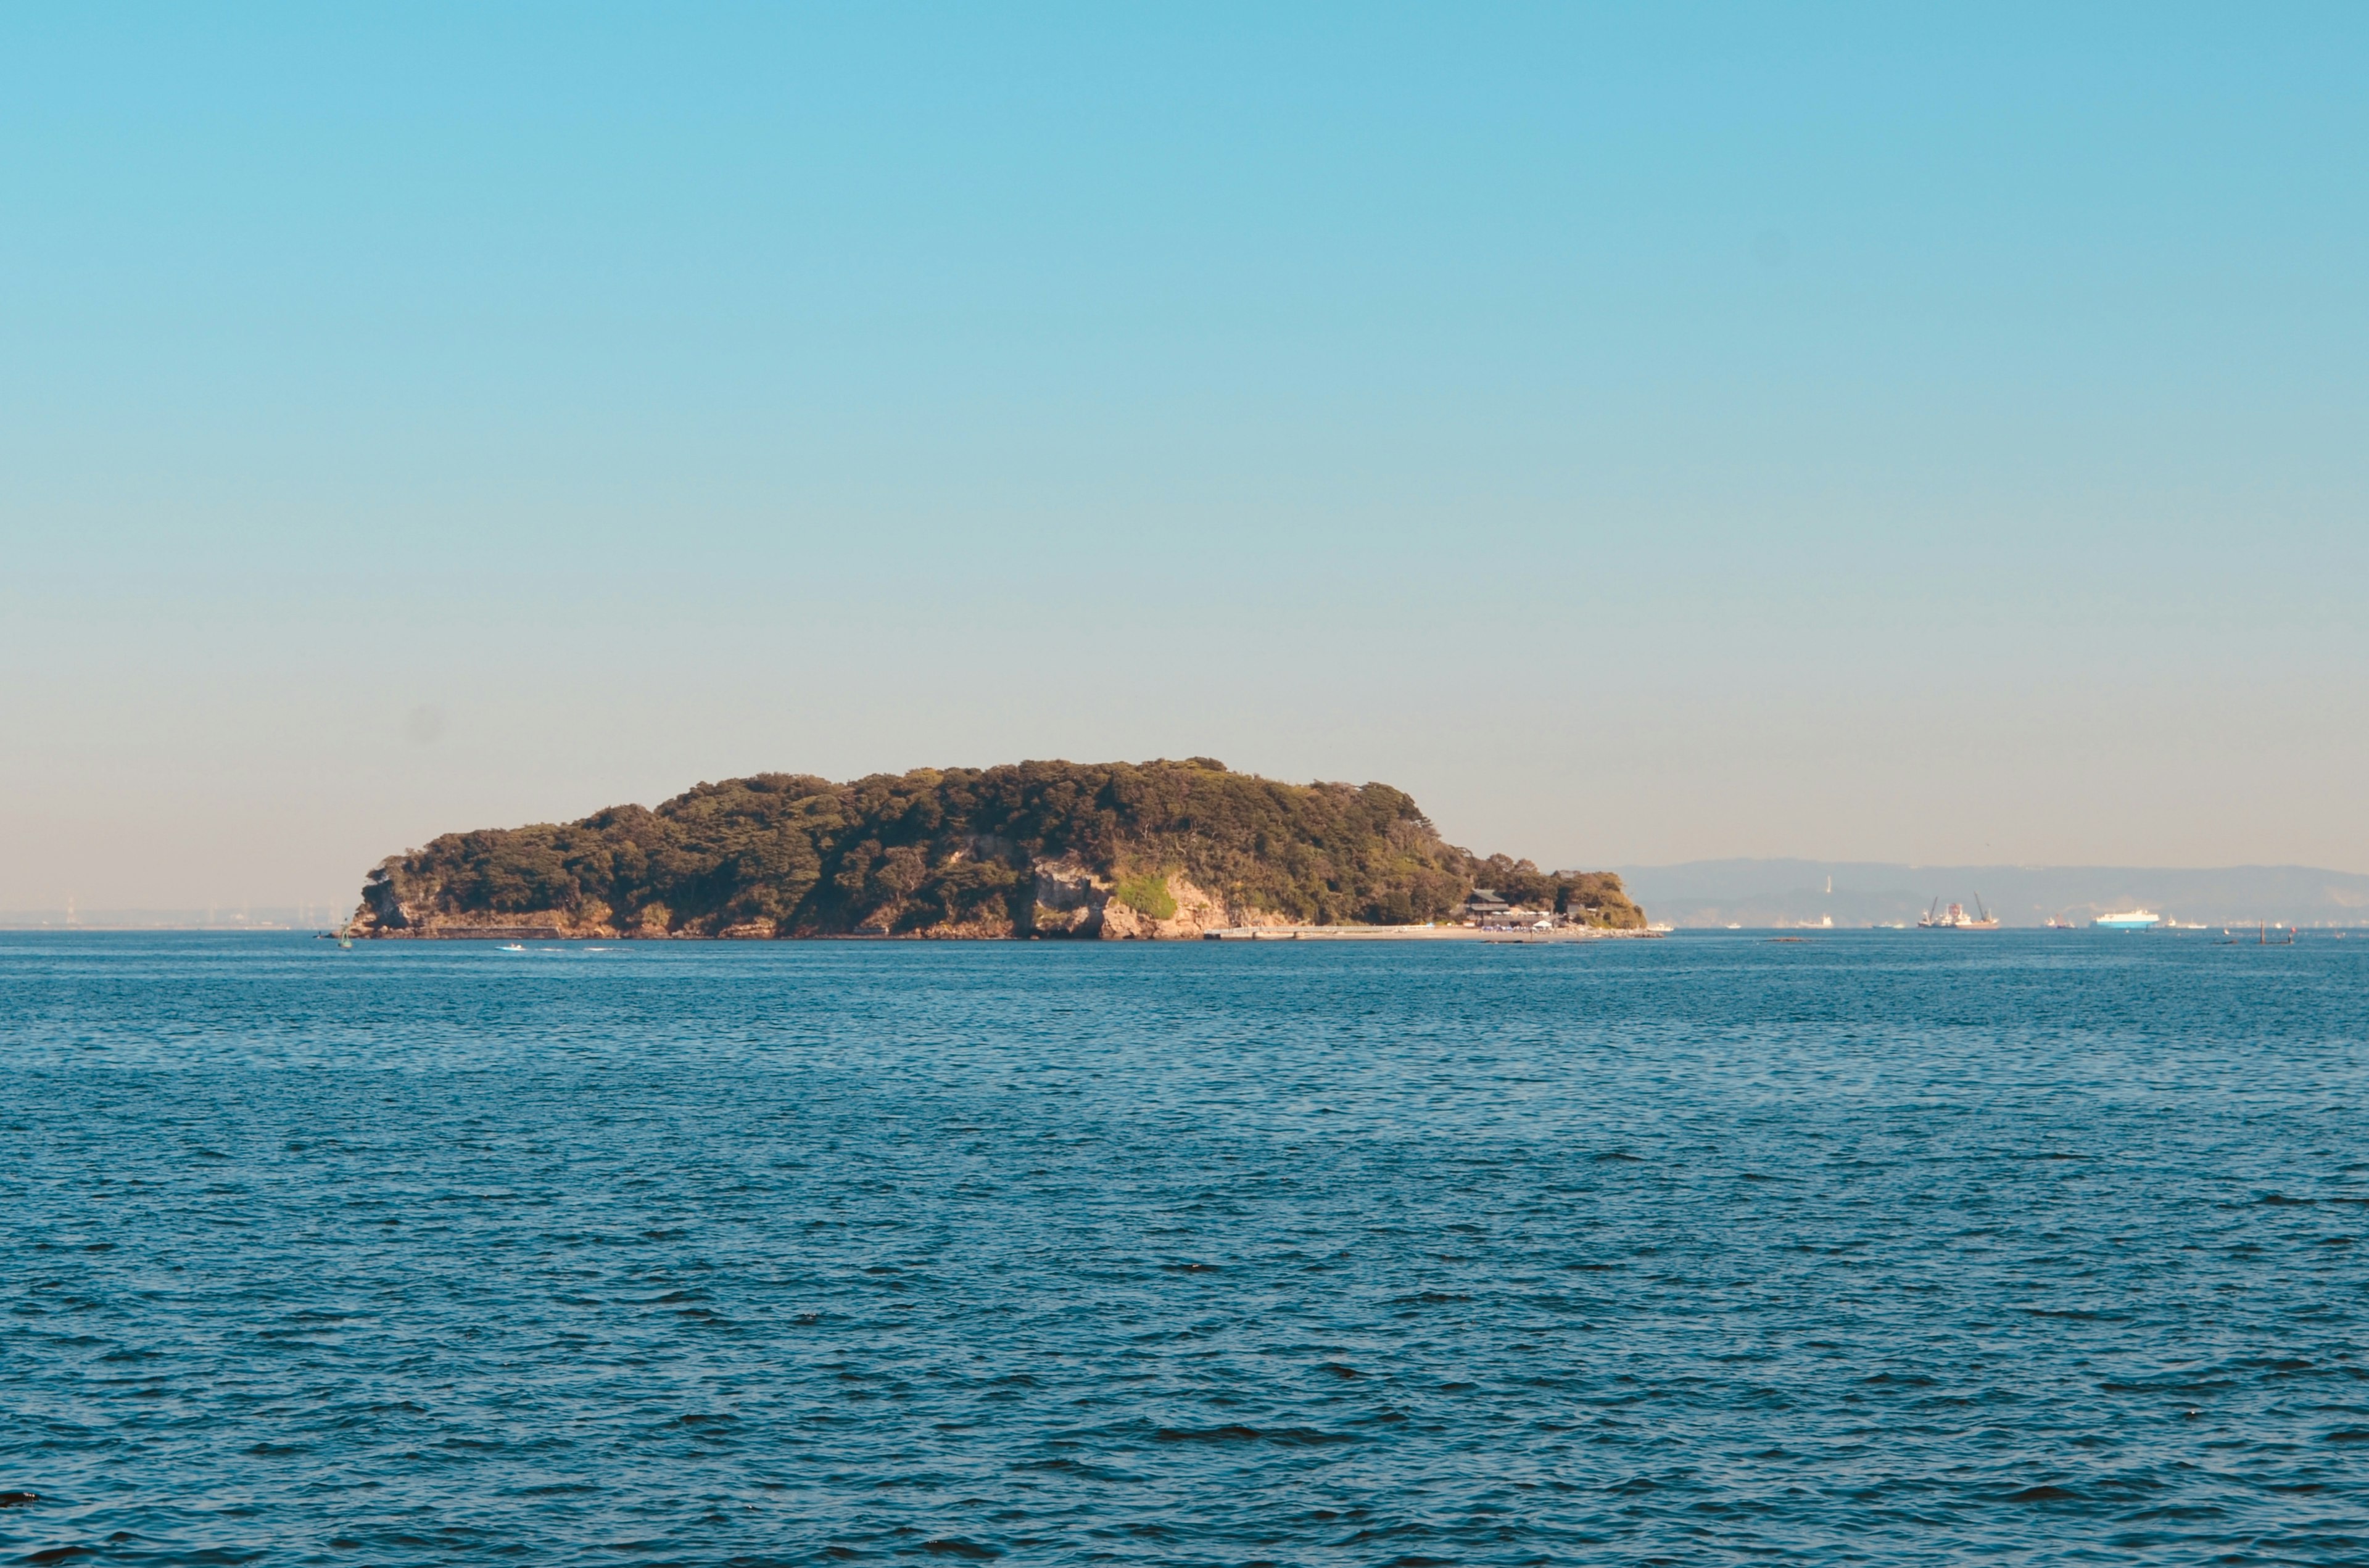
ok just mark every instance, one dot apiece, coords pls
pixel 1876 1248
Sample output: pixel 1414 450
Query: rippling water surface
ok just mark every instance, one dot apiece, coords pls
pixel 1879 1248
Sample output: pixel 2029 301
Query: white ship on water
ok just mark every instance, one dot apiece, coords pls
pixel 2127 920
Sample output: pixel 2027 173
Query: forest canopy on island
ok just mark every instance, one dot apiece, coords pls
pixel 970 852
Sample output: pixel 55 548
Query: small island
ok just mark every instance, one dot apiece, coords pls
pixel 1161 849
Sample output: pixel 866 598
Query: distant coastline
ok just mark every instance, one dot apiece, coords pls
pixel 1802 893
pixel 1114 851
pixel 258 918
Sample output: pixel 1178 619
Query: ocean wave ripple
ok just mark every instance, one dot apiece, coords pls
pixel 1872 1250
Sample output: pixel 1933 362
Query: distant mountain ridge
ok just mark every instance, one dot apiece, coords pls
pixel 1793 892
pixel 1161 849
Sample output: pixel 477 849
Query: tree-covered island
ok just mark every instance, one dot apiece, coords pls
pixel 1157 849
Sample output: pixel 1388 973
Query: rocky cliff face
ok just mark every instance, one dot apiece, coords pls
pixel 1071 901
pixel 385 913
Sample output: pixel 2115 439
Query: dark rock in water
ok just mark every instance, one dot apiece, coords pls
pixel 18 1499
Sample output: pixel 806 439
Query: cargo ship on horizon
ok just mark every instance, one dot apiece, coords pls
pixel 1956 918
pixel 2127 920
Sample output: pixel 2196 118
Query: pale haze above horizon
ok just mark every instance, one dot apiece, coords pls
pixel 1645 435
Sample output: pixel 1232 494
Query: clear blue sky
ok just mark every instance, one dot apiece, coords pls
pixel 1644 433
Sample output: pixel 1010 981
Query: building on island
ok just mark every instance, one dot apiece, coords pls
pixel 1490 912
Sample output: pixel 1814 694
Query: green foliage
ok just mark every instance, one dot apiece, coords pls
pixel 957 849
pixel 1147 894
pixel 1593 898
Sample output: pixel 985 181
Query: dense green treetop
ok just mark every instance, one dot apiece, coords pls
pixel 957 851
